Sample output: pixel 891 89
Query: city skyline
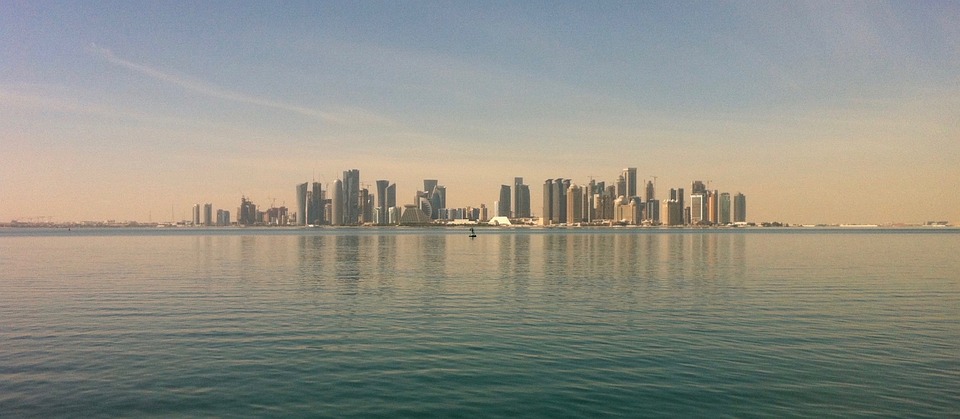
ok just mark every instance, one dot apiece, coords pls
pixel 599 204
pixel 818 112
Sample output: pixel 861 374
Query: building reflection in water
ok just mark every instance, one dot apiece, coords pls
pixel 346 265
pixel 643 258
pixel 513 262
pixel 311 256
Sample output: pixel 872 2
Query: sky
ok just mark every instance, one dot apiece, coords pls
pixel 819 112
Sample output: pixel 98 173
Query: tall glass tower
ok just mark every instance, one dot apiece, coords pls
pixel 630 177
pixel 351 197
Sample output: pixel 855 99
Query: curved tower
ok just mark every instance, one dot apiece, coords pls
pixel 336 203
pixel 302 204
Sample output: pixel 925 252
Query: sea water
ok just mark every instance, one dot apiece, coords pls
pixel 392 322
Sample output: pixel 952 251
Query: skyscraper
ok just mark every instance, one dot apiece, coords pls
pixel 392 196
pixel 435 195
pixel 609 201
pixel 622 185
pixel 630 177
pixel 302 204
pixel 425 206
pixel 590 200
pixel 336 203
pixel 315 205
pixel 546 216
pixel 196 214
pixel 208 215
pixel 366 206
pixel 585 204
pixel 559 204
pixel 683 209
pixel 382 206
pixel 521 198
pixel 674 212
pixel 438 200
pixel 651 194
pixel 652 211
pixel 698 208
pixel 247 213
pixel 713 206
pixel 739 208
pixel 351 197
pixel 698 187
pixel 429 185
pixel 503 205
pixel 223 217
pixel 574 205
pixel 724 208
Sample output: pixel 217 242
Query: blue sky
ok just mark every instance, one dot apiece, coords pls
pixel 817 111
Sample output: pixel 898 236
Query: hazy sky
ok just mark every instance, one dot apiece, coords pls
pixel 828 111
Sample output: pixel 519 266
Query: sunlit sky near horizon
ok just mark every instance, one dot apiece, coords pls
pixel 819 112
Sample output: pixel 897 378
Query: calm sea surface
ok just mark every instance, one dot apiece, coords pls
pixel 430 323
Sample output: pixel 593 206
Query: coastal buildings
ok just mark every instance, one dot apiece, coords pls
pixel 247 213
pixel 598 204
pixel 433 198
pixel 348 202
pixel 503 205
pixel 316 205
pixel 725 207
pixel 574 205
pixel 698 208
pixel 223 218
pixel 302 204
pixel 547 214
pixel 521 198
pixel 630 179
pixel 386 201
pixel 336 203
pixel 739 208
pixel 208 214
pixel 351 197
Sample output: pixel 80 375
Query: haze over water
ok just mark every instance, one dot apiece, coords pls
pixel 430 323
pixel 819 112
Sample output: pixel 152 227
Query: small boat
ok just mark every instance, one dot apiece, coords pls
pixel 472 233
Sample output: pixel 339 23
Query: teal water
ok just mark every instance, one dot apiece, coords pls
pixel 429 323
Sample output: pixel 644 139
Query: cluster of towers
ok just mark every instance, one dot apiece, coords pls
pixel 351 203
pixel 247 215
pixel 620 203
pixel 713 207
pixel 521 200
pixel 348 202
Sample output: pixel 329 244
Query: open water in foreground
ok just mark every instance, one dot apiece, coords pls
pixel 429 323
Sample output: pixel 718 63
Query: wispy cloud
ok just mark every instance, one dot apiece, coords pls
pixel 222 93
